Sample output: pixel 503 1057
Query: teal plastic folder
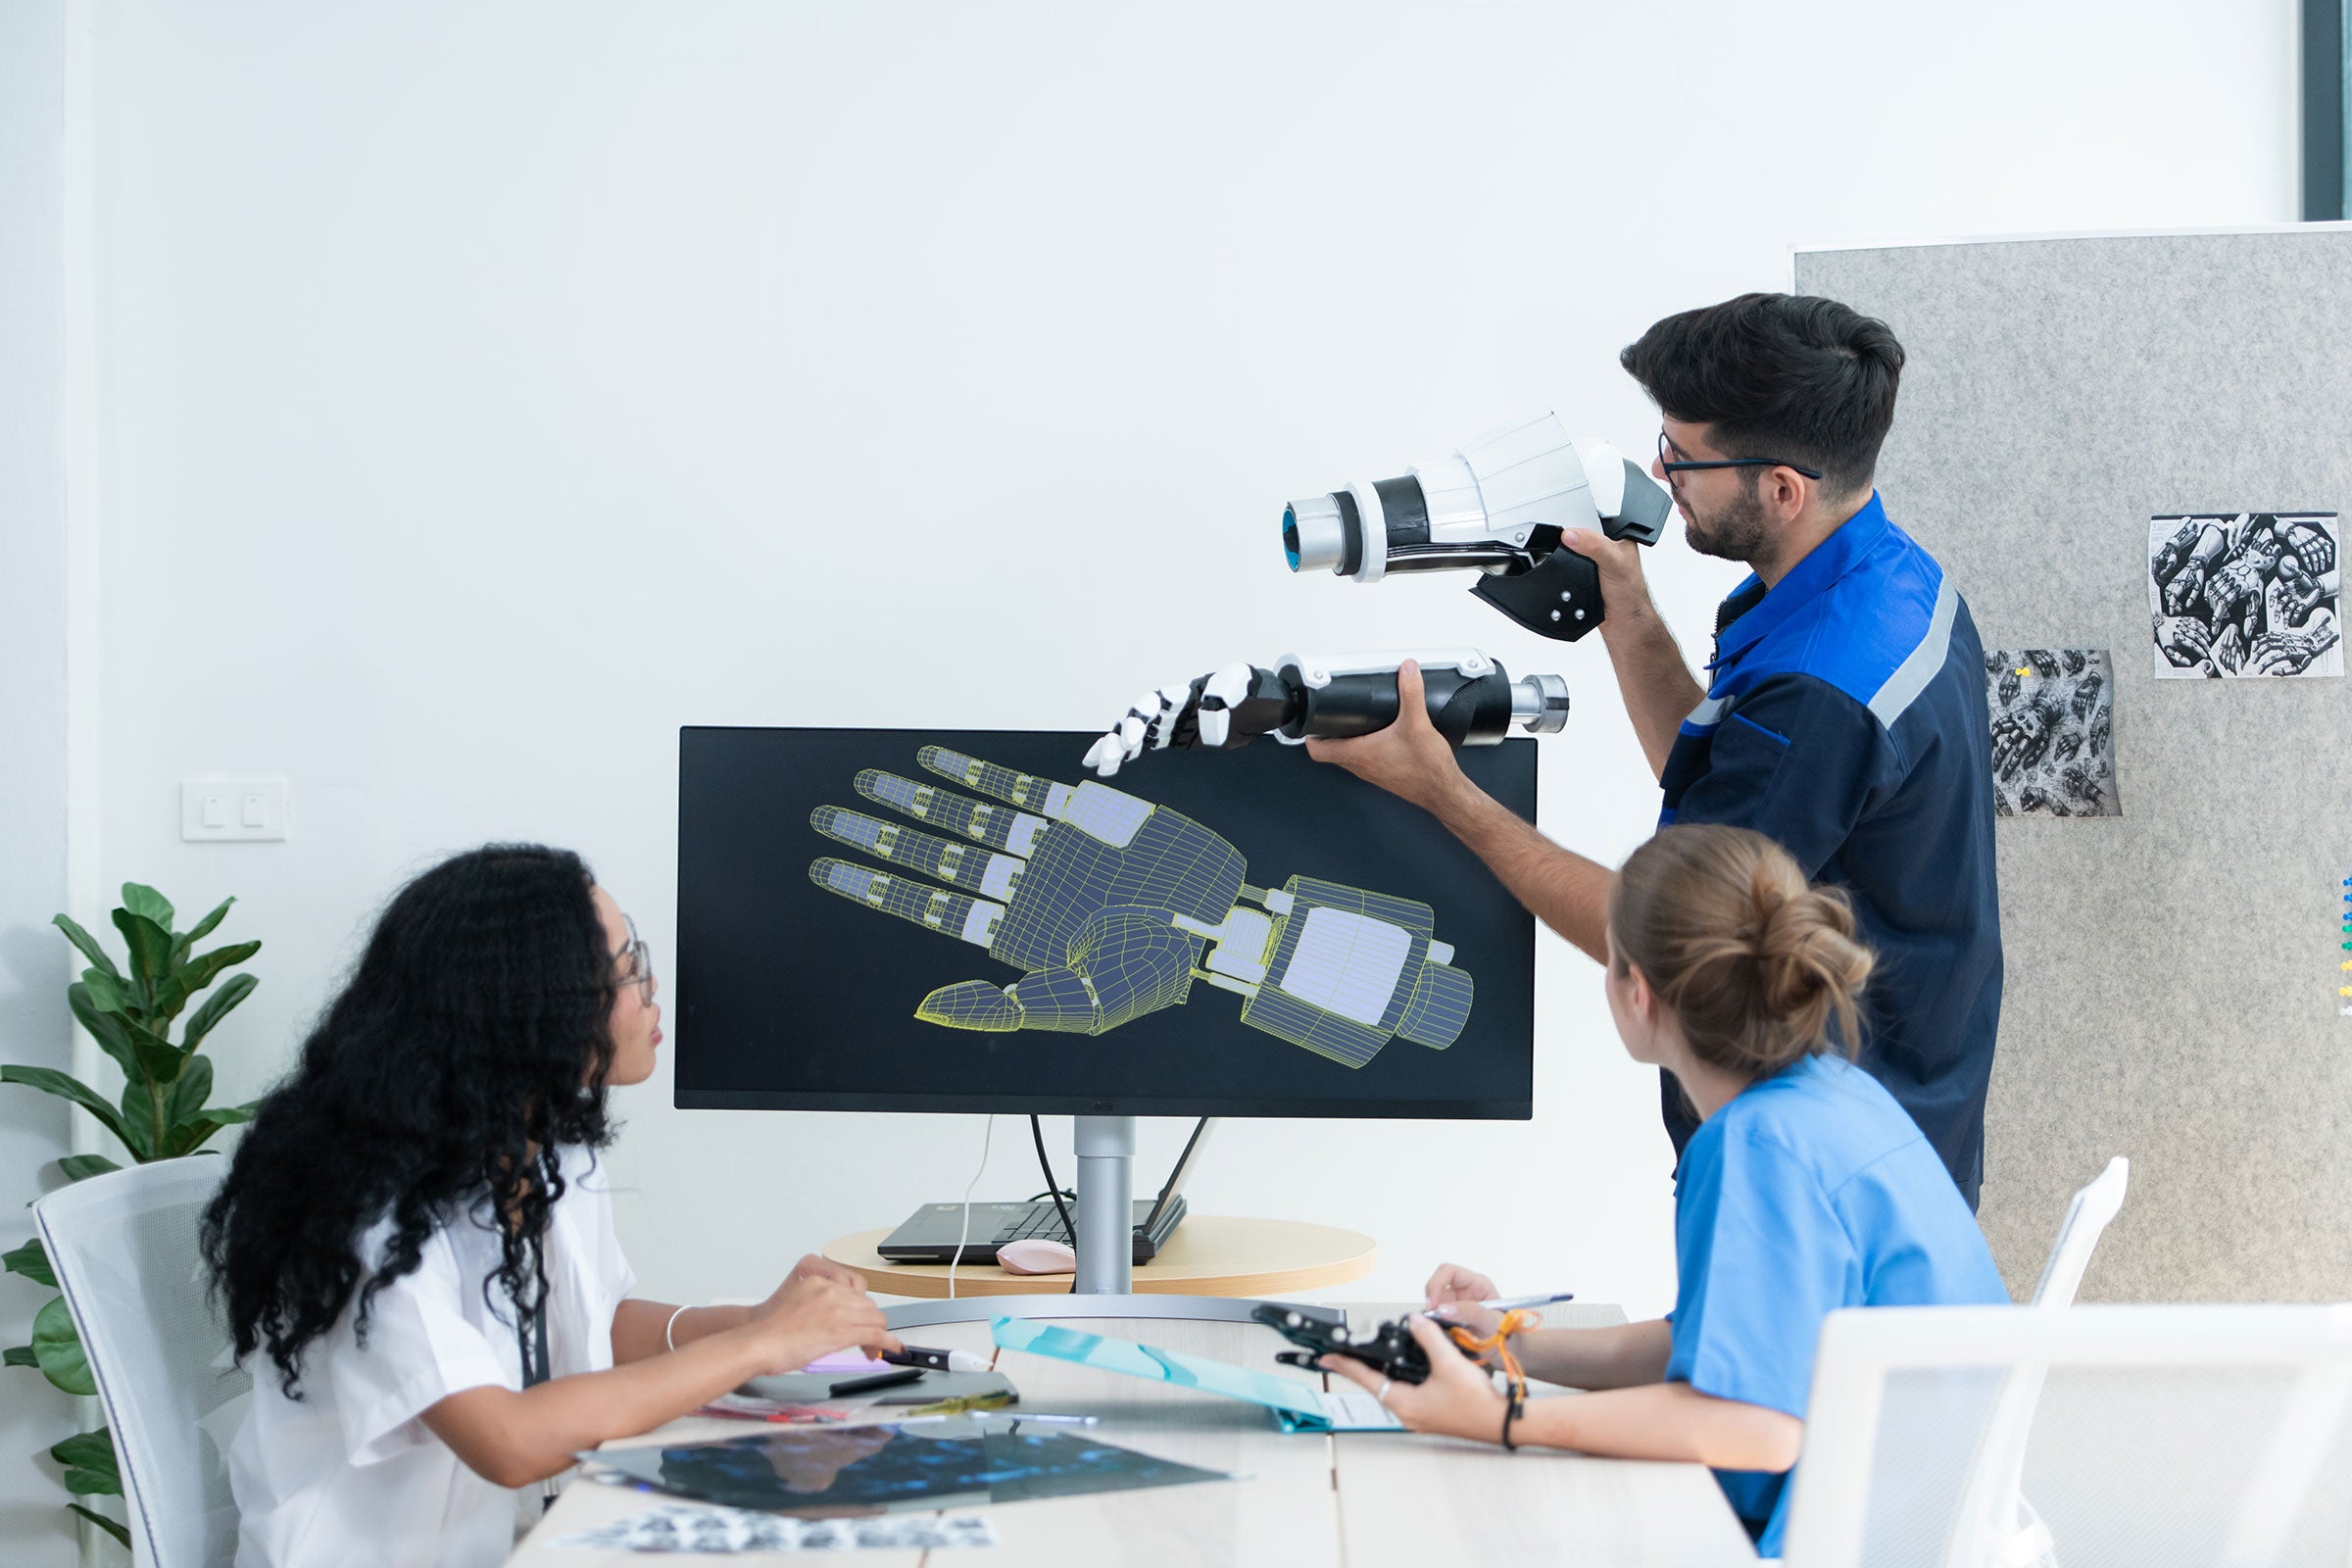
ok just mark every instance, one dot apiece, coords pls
pixel 1298 1406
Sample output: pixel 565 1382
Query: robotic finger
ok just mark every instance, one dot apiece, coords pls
pixel 1471 700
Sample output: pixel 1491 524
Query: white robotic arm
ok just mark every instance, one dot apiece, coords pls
pixel 1471 700
pixel 1499 507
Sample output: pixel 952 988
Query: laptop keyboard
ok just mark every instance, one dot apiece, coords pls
pixel 1041 1222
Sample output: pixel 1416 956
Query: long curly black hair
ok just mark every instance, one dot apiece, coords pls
pixel 467 1051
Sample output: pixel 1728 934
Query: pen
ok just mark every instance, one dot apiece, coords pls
pixel 1059 1420
pixel 937 1360
pixel 1513 1303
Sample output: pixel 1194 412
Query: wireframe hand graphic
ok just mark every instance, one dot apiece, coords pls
pixel 1112 906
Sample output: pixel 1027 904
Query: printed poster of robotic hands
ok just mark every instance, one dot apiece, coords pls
pixel 2233 596
pixel 919 919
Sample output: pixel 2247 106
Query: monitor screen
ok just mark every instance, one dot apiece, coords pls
pixel 967 921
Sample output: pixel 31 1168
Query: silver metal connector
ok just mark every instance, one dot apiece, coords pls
pixel 1540 704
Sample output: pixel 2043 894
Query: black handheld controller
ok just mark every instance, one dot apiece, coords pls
pixel 1389 1349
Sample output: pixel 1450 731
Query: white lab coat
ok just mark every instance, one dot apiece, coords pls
pixel 348 1475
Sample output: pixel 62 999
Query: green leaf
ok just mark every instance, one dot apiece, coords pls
pixel 197 973
pixel 89 943
pixel 82 1167
pixel 104 1523
pixel 30 1260
pixel 189 1135
pixel 110 1029
pixel 64 1086
pixel 59 1349
pixel 106 991
pixel 142 1110
pixel 143 900
pixel 150 947
pixel 214 1008
pixel 19 1356
pixel 188 1095
pixel 157 1056
pixel 202 929
pixel 91 1468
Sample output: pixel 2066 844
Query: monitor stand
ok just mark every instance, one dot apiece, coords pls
pixel 1105 1284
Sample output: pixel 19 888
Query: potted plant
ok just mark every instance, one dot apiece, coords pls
pixel 163 1114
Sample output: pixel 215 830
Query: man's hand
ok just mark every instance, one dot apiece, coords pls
pixel 1458 1399
pixel 1409 759
pixel 1624 590
pixel 814 1314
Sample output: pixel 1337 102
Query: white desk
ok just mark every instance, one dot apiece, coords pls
pixel 1361 1501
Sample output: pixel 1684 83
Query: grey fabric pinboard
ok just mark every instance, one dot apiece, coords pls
pixel 2172 973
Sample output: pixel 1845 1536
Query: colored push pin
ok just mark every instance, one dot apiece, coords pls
pixel 2023 670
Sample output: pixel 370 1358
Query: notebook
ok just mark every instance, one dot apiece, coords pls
pixel 1297 1406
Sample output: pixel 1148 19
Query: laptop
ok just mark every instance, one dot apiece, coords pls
pixel 929 1234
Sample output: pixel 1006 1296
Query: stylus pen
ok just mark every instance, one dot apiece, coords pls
pixel 937 1360
pixel 1513 1303
pixel 1057 1420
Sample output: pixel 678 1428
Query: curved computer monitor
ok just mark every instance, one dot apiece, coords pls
pixel 966 920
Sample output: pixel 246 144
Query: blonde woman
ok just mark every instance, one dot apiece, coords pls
pixel 1805 1189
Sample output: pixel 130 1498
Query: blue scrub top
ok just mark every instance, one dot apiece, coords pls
pixel 1811 1191
pixel 1845 719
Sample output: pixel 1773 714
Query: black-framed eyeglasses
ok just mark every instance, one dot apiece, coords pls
pixel 1672 465
pixel 637 964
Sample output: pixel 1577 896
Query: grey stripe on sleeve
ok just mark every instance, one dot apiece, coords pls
pixel 1912 675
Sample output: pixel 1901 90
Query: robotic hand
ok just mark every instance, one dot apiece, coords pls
pixel 1472 701
pixel 1499 507
pixel 1112 906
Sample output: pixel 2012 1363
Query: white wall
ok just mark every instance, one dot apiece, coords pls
pixel 489 390
pixel 33 968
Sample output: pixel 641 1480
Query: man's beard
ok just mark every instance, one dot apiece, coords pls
pixel 1736 533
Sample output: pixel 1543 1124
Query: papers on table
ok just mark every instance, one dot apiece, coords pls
pixel 685 1526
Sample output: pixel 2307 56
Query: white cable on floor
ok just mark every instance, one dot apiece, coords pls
pixel 964 1230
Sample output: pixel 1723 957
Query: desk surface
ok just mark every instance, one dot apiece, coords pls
pixel 1363 1501
pixel 1208 1255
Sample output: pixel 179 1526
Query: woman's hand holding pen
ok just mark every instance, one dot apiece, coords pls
pixel 819 1309
pixel 1458 1295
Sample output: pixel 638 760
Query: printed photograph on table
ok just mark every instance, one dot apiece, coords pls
pixel 2235 594
pixel 2053 731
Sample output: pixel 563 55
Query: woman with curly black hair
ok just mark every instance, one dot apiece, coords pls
pixel 415 1230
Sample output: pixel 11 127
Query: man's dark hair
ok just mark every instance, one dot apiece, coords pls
pixel 1791 376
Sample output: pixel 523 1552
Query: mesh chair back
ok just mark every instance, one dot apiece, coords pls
pixel 123 1247
pixel 2161 1435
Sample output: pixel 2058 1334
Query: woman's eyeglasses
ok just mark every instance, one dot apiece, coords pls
pixel 637 964
pixel 1672 465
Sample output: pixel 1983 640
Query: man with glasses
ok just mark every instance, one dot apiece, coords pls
pixel 1842 713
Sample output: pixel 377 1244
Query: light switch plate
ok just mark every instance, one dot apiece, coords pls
pixel 222 807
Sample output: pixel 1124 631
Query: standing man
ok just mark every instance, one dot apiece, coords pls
pixel 1843 711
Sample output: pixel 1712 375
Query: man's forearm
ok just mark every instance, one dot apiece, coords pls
pixel 1652 677
pixel 1559 887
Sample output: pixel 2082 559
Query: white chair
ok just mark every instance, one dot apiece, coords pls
pixel 124 1252
pixel 1995 1526
pixel 2208 1435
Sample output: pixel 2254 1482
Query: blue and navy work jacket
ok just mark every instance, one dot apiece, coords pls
pixel 1845 719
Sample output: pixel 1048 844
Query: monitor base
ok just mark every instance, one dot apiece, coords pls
pixel 1074 1305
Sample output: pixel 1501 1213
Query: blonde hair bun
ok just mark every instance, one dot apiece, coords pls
pixel 1756 962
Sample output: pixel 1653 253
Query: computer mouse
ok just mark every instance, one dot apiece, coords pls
pixel 1035 1256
